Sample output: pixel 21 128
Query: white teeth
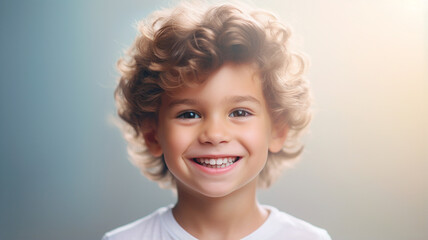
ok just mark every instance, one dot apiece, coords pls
pixel 216 162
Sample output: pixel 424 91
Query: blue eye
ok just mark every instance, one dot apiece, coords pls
pixel 240 113
pixel 188 114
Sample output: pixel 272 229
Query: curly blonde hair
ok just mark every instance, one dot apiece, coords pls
pixel 179 46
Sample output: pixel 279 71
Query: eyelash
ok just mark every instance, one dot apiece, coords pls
pixel 241 113
pixel 195 115
pixel 189 115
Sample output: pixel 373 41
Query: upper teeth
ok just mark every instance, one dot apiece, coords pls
pixel 216 161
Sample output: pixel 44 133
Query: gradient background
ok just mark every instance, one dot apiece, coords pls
pixel 64 172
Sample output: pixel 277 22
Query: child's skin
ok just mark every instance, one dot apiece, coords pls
pixel 224 117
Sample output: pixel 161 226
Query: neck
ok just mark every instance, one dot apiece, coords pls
pixel 229 217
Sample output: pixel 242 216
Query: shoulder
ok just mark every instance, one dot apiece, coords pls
pixel 300 228
pixel 148 227
pixel 281 225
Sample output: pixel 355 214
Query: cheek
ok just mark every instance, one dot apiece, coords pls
pixel 256 137
pixel 175 141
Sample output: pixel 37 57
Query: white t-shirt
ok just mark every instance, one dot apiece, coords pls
pixel 161 225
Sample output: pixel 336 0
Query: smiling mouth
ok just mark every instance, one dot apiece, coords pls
pixel 216 162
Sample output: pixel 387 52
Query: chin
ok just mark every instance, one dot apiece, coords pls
pixel 220 189
pixel 216 194
pixel 209 190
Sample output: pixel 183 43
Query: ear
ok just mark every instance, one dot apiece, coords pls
pixel 278 137
pixel 151 140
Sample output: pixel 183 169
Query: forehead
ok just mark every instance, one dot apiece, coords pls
pixel 238 78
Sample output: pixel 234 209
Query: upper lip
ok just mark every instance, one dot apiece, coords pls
pixel 215 156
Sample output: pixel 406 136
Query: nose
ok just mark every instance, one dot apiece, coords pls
pixel 214 132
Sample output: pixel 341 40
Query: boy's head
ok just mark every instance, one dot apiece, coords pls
pixel 179 50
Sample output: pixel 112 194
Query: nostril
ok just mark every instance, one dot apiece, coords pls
pixel 214 132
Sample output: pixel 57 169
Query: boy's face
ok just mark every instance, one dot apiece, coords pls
pixel 215 136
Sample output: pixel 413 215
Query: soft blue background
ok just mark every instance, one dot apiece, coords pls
pixel 64 172
pixel 63 169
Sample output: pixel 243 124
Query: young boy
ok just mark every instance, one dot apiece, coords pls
pixel 213 99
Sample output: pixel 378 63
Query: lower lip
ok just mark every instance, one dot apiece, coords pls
pixel 215 171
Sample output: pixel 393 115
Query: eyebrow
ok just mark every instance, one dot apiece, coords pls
pixel 233 100
pixel 184 101
pixel 247 98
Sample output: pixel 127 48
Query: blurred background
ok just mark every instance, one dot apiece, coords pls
pixel 64 170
